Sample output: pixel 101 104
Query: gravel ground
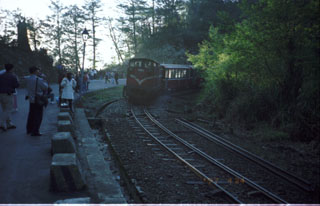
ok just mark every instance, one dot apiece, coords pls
pixel 157 178
pixel 160 181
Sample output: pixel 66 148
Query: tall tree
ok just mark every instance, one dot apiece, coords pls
pixel 7 32
pixel 170 10
pixel 205 13
pixel 12 19
pixel 54 30
pixel 36 29
pixel 93 8
pixel 134 10
pixel 115 40
pixel 73 20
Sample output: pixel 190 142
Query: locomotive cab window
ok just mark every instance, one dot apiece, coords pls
pixel 138 64
pixel 148 67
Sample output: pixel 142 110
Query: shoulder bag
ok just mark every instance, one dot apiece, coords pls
pixel 41 100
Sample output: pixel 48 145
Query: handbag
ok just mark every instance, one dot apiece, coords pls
pixel 40 100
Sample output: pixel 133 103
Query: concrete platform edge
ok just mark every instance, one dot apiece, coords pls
pixel 101 182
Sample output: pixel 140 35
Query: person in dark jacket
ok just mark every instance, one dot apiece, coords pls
pixel 8 84
pixel 35 110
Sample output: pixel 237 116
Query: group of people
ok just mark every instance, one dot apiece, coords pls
pixel 36 86
pixel 112 77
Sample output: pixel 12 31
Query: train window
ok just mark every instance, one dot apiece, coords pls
pixel 171 74
pixel 145 64
pixel 138 64
pixel 167 74
pixel 188 73
pixel 178 73
pixel 184 74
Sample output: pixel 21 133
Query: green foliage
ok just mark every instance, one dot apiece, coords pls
pixel 174 26
pixel 266 67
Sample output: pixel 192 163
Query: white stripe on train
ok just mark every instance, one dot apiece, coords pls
pixel 142 80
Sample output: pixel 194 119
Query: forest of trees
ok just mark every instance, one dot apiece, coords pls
pixel 259 58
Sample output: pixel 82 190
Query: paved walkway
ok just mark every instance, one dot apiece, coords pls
pixel 25 160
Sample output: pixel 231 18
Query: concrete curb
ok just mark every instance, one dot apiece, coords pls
pixel 65 170
pixel 65 173
pixel 62 142
pixel 101 182
pixel 64 116
pixel 64 126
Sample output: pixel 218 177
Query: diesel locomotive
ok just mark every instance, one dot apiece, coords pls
pixel 146 78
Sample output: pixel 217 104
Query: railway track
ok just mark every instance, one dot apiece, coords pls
pixel 300 183
pixel 209 169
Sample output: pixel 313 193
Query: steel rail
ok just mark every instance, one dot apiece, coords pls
pixel 217 163
pixel 267 165
pixel 105 105
pixel 204 177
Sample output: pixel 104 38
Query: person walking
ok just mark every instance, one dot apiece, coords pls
pixel 61 75
pixel 116 77
pixel 35 85
pixel 8 84
pixel 86 81
pixel 106 78
pixel 68 85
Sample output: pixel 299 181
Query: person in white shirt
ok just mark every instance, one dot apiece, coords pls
pixel 68 85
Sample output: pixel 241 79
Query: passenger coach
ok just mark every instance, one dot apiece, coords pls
pixel 178 76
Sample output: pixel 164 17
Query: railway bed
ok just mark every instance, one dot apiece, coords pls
pixel 160 177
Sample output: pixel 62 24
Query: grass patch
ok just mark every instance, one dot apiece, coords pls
pixel 96 99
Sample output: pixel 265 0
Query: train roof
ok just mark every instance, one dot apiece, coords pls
pixel 144 59
pixel 177 66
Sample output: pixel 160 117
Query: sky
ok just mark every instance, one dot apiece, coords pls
pixel 39 9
